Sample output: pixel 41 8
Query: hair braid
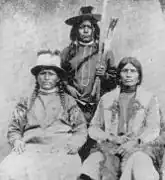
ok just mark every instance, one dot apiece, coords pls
pixel 33 96
pixel 61 90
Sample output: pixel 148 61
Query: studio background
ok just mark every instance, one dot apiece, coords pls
pixel 27 26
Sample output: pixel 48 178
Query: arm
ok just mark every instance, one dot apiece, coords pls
pixel 152 125
pixel 64 59
pixel 66 66
pixel 161 139
pixel 78 123
pixel 18 121
pixel 96 129
pixel 109 79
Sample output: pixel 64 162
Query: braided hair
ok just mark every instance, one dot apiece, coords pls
pixel 60 84
pixel 33 96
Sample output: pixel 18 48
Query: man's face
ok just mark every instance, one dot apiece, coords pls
pixel 129 75
pixel 47 79
pixel 85 31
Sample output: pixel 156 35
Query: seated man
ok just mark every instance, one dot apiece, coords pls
pixel 46 130
pixel 126 126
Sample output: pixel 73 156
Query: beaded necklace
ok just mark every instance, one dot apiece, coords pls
pixel 82 82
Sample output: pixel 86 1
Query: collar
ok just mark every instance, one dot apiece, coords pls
pixel 86 44
pixel 46 92
pixel 125 89
pixel 141 95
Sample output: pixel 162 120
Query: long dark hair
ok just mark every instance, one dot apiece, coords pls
pixel 75 27
pixel 130 60
pixel 73 46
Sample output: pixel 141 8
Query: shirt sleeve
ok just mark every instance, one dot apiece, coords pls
pixel 78 123
pixel 64 62
pixel 96 129
pixel 160 140
pixel 109 80
pixel 17 123
pixel 152 123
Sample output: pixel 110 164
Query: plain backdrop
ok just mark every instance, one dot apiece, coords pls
pixel 27 26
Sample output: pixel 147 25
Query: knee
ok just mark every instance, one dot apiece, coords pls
pixel 91 166
pixel 93 159
pixel 147 175
pixel 14 164
pixel 143 167
pixel 141 157
pixel 142 161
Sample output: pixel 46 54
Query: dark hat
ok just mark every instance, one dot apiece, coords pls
pixel 85 13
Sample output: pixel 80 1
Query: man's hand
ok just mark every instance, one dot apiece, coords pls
pixel 122 139
pixel 73 91
pixel 119 139
pixel 100 70
pixel 126 147
pixel 19 146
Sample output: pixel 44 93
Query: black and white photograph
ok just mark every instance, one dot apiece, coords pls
pixel 82 92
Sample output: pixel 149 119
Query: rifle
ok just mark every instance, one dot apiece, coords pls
pixel 103 49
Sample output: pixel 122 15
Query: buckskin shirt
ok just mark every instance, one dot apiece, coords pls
pixel 47 128
pixel 143 131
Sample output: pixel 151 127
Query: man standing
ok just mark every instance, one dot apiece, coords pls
pixel 80 59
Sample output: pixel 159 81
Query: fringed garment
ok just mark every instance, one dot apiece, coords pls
pixel 47 128
pixel 140 123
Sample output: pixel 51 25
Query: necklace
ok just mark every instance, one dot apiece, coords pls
pixel 82 82
pixel 86 44
pixel 43 91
